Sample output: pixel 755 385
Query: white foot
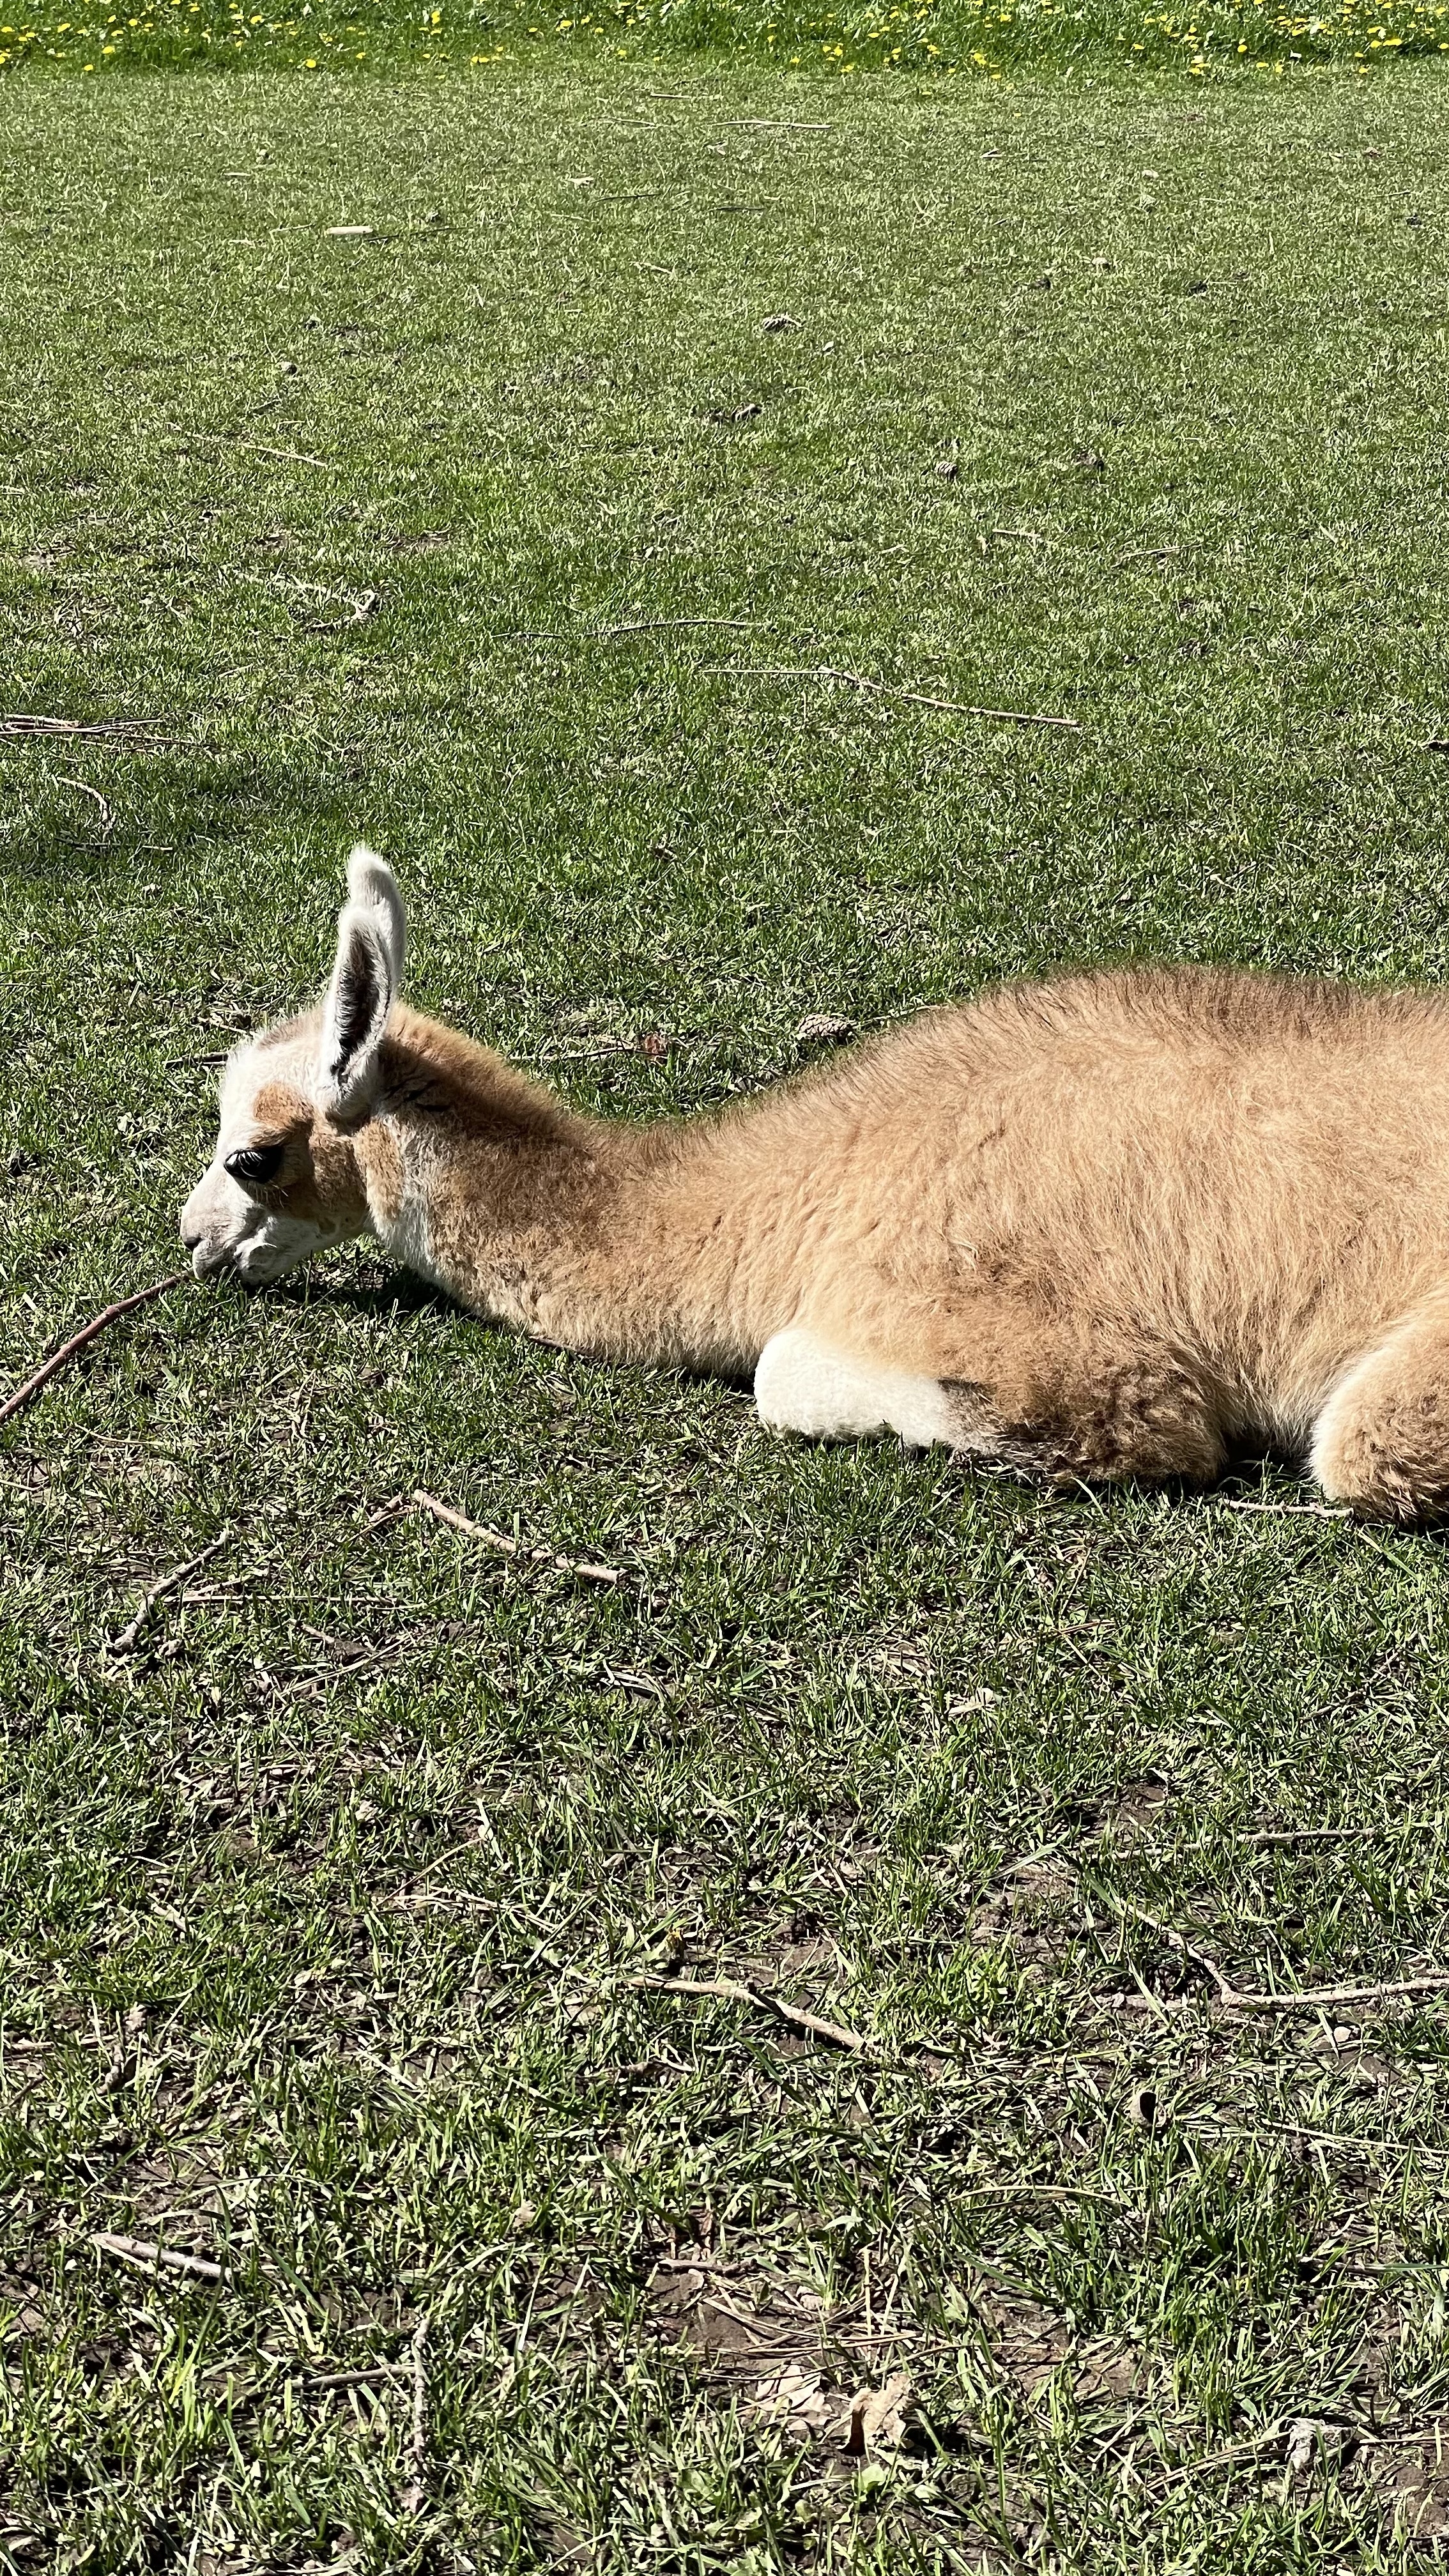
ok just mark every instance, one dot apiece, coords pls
pixel 805 1384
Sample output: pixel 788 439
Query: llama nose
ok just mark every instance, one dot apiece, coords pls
pixel 190 1235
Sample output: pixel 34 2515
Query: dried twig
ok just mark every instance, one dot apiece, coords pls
pixel 1263 2441
pixel 366 604
pixel 88 1332
pixel 76 728
pixel 82 788
pixel 1257 1999
pixel 1146 554
pixel 636 626
pixel 1309 1998
pixel 878 689
pixel 140 2251
pixel 412 2494
pixel 653 625
pixel 735 1990
pixel 1306 1511
pixel 122 1645
pixel 1175 1940
pixel 1287 1834
pixel 589 1573
pixel 289 455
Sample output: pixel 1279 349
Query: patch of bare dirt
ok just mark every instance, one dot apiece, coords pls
pixel 819 2378
pixel 1413 2479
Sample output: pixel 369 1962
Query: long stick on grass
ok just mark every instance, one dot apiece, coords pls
pixel 140 2251
pixel 513 1547
pixel 1258 1998
pixel 122 1645
pixel 139 730
pixel 734 1990
pixel 880 689
pixel 88 1333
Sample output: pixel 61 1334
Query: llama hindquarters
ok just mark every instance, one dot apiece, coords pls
pixel 1381 1442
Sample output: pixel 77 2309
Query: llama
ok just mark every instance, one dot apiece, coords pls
pixel 1118 1225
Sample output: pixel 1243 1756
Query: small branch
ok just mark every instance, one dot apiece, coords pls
pixel 735 1990
pixel 365 604
pixel 878 689
pixel 75 728
pixel 289 455
pixel 83 789
pixel 1309 1511
pixel 654 625
pixel 1256 1999
pixel 122 1645
pixel 420 2392
pixel 140 2251
pixel 88 1332
pixel 1175 1941
pixel 412 2494
pixel 516 1548
pixel 1287 1834
pixel 636 626
pixel 1309 1998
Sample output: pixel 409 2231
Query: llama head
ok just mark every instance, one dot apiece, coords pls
pixel 285 1181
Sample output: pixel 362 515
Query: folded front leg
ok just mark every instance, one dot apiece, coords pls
pixel 806 1384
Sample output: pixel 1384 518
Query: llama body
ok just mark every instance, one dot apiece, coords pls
pixel 1117 1225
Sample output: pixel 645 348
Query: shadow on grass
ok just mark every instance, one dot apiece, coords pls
pixel 185 815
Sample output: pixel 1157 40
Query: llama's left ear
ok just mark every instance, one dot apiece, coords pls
pixel 366 975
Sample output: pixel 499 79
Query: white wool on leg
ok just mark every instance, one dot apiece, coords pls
pixel 806 1384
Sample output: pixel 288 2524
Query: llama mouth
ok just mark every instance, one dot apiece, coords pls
pixel 233 1264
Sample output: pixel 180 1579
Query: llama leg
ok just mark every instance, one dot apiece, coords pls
pixel 1095 1414
pixel 804 1383
pixel 1085 1403
pixel 1381 1441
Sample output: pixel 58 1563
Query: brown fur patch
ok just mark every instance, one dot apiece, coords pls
pixel 320 1181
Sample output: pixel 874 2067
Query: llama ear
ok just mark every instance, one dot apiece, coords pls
pixel 365 978
pixel 372 885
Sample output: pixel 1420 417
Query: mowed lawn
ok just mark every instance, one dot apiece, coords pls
pixel 520 530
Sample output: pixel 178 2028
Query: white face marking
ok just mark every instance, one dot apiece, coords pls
pixel 226 1230
pixel 803 1383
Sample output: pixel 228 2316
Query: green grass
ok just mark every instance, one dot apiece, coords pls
pixel 982 39
pixel 323 1910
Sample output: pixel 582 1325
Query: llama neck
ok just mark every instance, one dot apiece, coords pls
pixel 601 1235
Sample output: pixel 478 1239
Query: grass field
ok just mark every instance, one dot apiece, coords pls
pixel 940 39
pixel 327 1904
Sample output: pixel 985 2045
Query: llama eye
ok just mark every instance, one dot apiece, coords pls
pixel 255 1165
